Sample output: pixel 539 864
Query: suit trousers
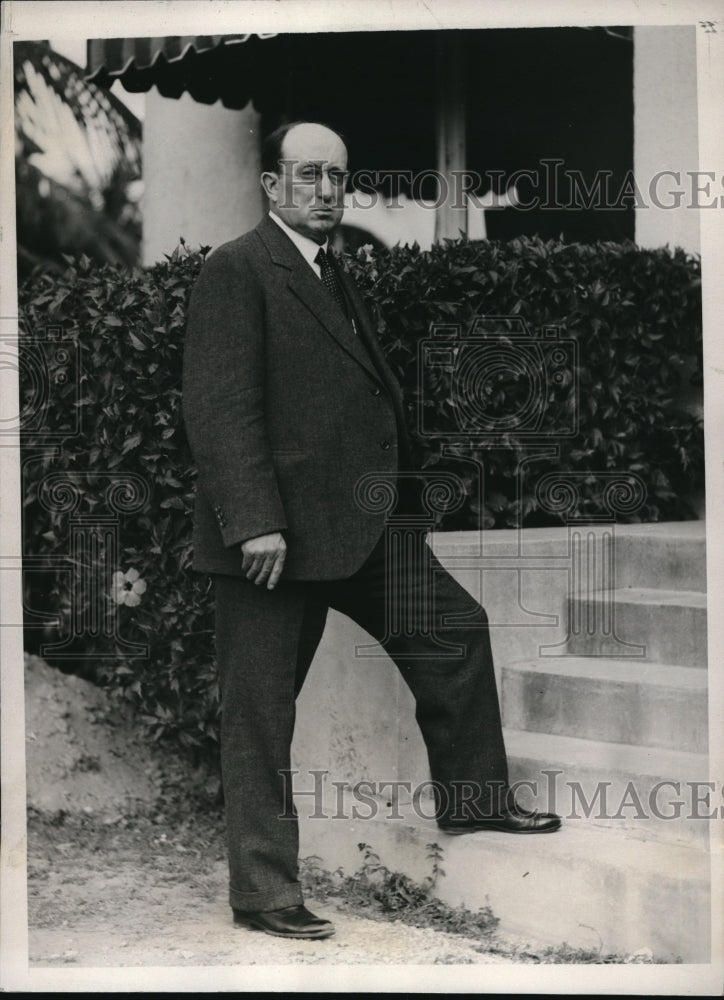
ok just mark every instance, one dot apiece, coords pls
pixel 438 637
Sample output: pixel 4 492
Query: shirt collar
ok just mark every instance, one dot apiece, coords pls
pixel 307 248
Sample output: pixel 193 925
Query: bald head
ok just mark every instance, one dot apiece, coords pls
pixel 271 150
pixel 304 176
pixel 309 141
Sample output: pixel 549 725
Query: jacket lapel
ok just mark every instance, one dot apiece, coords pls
pixel 309 289
pixel 369 338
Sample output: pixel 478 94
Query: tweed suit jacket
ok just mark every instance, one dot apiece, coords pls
pixel 285 409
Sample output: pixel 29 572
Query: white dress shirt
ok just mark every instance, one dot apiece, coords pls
pixel 307 248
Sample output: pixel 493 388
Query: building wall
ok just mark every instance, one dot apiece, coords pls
pixel 666 133
pixel 201 170
pixel 201 162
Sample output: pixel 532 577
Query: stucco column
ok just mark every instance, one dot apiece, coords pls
pixel 666 136
pixel 201 167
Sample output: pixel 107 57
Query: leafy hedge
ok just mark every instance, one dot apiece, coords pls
pixel 634 314
pixel 129 328
pixel 630 317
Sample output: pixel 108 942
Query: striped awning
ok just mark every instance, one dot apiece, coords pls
pixel 318 76
pixel 207 67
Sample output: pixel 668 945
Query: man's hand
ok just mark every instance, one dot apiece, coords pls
pixel 263 558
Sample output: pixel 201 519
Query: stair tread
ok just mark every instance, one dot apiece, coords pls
pixel 574 752
pixel 592 841
pixel 628 671
pixel 579 839
pixel 691 534
pixel 648 595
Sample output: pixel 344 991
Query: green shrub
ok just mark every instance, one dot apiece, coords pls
pixel 634 314
pixel 634 317
pixel 128 326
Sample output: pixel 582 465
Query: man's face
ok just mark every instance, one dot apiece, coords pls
pixel 307 191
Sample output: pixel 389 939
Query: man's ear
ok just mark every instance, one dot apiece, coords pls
pixel 270 183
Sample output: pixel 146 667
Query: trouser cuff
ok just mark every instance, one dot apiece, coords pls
pixel 269 899
pixel 468 800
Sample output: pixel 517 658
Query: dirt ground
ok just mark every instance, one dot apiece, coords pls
pixel 127 861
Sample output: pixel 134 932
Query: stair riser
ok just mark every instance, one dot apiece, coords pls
pixel 590 708
pixel 607 797
pixel 672 564
pixel 671 557
pixel 622 802
pixel 552 889
pixel 669 633
pixel 576 899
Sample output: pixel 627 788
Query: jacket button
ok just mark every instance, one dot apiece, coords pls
pixel 376 391
pixel 385 445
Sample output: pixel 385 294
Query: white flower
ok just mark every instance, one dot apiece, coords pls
pixel 128 587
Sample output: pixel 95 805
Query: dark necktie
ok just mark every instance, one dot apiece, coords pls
pixel 330 280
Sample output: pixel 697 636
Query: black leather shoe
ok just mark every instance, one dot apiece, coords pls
pixel 289 922
pixel 510 820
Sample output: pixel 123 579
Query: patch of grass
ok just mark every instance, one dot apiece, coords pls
pixel 566 954
pixel 379 892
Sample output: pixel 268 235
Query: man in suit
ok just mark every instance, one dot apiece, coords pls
pixel 288 404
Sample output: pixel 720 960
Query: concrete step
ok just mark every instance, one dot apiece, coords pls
pixel 670 554
pixel 622 701
pixel 645 792
pixel 666 555
pixel 664 626
pixel 582 885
